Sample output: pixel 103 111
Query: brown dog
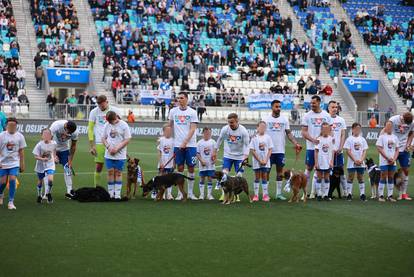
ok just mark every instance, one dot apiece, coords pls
pixel 232 186
pixel 132 176
pixel 297 182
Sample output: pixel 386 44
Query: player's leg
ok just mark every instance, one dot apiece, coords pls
pixel 99 162
pixel 360 177
pixel 67 175
pixel 390 183
pixel 227 165
pixel 202 175
pixel 326 184
pixel 3 181
pixel 239 169
pixel 310 164
pixel 118 183
pixel 49 185
pixel 404 161
pixel 169 189
pixel 382 183
pixel 191 161
pixel 280 164
pixel 39 186
pixel 179 161
pixel 265 185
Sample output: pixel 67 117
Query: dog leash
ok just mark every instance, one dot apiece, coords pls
pixel 169 161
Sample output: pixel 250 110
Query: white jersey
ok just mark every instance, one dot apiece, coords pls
pixel 325 154
pixel 338 124
pixel 356 145
pixel 98 117
pixel 45 150
pixel 115 134
pixel 205 149
pixel 276 129
pixel 166 148
pixel 401 131
pixel 61 136
pixel 389 143
pixel 314 122
pixel 182 120
pixel 261 145
pixel 236 142
pixel 10 144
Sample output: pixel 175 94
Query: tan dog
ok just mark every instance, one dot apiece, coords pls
pixel 298 181
pixel 132 176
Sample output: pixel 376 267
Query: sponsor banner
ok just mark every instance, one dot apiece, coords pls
pixel 361 85
pixel 154 129
pixel 148 97
pixel 68 75
pixel 263 101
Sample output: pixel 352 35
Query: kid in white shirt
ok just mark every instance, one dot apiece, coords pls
pixel 356 147
pixel 324 153
pixel 45 155
pixel 387 145
pixel 206 161
pixel 261 147
pixel 116 137
pixel 166 163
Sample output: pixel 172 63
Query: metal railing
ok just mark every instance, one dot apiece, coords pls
pixel 15 109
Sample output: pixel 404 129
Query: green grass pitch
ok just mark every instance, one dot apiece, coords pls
pixel 200 238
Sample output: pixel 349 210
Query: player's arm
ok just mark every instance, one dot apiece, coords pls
pixel 201 159
pixel 269 153
pixel 397 152
pixel 255 156
pixel 72 152
pixel 246 144
pixel 159 159
pixel 291 138
pixel 316 158
pixel 350 155
pixel 21 157
pixel 193 128
pixel 218 143
pixel 122 145
pixel 307 136
pixel 341 144
pixel 409 140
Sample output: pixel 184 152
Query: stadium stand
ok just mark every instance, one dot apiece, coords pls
pixel 388 28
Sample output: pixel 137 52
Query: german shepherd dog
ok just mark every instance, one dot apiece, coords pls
pixel 232 186
pixel 132 176
pixel 162 182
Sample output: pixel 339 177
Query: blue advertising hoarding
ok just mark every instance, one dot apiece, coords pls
pixel 361 85
pixel 68 75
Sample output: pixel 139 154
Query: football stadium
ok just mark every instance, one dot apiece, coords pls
pixel 206 138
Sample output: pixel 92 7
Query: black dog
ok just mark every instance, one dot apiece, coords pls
pixel 160 183
pixel 335 181
pixel 98 194
pixel 374 176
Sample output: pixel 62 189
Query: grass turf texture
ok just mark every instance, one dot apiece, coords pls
pixel 201 238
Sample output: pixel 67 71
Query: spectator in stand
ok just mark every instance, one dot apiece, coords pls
pixel 116 84
pixel 23 100
pixel 51 101
pixel 39 77
pixel 91 57
pixel 21 77
pixel 373 122
pixel 131 117
pixel 327 90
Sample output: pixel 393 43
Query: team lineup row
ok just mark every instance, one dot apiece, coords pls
pixel 324 132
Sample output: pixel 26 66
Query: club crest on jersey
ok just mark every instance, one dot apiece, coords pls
pixel 113 133
pixel 317 121
pixel 207 151
pixel 182 119
pixel 233 139
pixel 276 126
pixel 390 144
pixel 402 128
pixel 336 125
pixel 357 146
pixel 262 146
pixel 325 148
pixel 166 149
pixel 10 146
pixel 47 154
pixel 102 119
